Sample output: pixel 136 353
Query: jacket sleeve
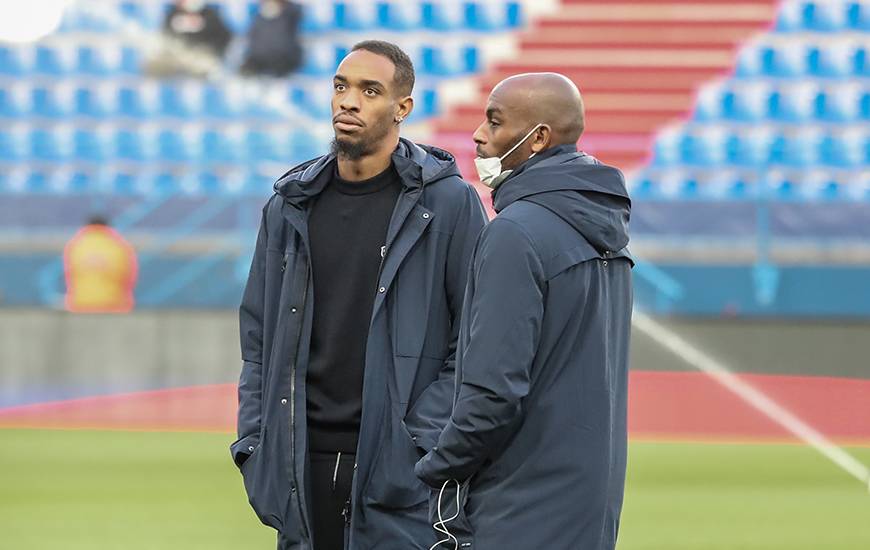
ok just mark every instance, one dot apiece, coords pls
pixel 251 333
pixel 431 410
pixel 506 310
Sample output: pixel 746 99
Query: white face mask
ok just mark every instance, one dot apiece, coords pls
pixel 489 169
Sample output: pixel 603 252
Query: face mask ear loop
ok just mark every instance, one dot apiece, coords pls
pixel 520 142
pixel 441 524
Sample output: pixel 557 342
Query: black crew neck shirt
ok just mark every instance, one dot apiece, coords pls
pixel 347 229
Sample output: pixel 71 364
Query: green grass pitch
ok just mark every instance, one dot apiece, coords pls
pixel 165 491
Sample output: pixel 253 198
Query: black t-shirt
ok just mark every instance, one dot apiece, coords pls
pixel 347 229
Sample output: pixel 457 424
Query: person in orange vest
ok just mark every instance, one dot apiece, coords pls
pixel 100 268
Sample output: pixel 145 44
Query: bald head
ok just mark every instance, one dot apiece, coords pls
pixel 547 98
pixel 535 112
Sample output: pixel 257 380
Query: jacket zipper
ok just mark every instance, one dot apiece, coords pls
pixel 295 487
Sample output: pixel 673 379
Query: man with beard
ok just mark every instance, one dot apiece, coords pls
pixel 534 452
pixel 349 322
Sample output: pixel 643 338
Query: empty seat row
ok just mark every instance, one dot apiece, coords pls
pixel 812 185
pixel 821 58
pixel 122 181
pixel 145 144
pixel 823 16
pixel 62 59
pixel 363 15
pixel 788 101
pixel 190 99
pixel 718 146
pixel 139 99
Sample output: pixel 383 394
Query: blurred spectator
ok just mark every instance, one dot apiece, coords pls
pixel 193 43
pixel 100 268
pixel 273 40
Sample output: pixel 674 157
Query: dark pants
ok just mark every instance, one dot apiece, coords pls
pixel 331 479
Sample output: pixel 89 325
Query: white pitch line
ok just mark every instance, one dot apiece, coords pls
pixel 770 408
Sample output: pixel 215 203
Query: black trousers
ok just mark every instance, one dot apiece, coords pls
pixel 331 479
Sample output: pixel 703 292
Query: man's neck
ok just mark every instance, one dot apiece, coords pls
pixel 368 166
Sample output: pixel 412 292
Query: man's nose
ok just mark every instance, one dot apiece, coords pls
pixel 349 101
pixel 479 136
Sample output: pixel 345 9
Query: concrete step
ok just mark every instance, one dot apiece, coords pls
pixel 627 34
pixel 721 12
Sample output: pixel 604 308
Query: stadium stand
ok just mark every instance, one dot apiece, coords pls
pixel 737 123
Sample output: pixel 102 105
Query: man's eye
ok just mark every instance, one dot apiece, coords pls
pixel 493 123
pixel 371 92
pixel 338 87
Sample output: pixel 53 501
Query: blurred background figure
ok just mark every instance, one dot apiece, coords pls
pixel 274 48
pixel 194 41
pixel 100 268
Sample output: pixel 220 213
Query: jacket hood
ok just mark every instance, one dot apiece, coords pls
pixel 417 165
pixel 588 195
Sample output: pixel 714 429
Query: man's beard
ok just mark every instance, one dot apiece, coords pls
pixel 363 145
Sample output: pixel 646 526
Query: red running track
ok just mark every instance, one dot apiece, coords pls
pixel 662 406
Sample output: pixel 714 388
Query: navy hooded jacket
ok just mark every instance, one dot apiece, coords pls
pixel 538 433
pixel 409 369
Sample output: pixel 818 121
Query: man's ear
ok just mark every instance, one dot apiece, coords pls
pixel 541 138
pixel 405 106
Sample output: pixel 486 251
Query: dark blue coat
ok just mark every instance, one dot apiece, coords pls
pixel 409 371
pixel 538 433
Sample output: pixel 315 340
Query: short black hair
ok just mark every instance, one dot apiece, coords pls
pixel 403 77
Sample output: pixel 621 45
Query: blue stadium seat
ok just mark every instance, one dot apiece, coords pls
pixel 830 60
pixel 491 16
pixel 703 146
pixel 97 102
pixel 15 101
pixel 746 102
pixel 794 102
pixel 92 145
pixel 317 17
pixel 98 61
pixel 861 63
pixel 750 147
pixel 840 103
pixel 398 15
pixel 428 102
pixel 448 59
pixel 178 145
pixel 262 146
pixel 220 146
pixel 790 17
pixel 135 144
pixel 844 149
pixel 181 100
pixel 50 144
pixel 442 16
pixel 216 105
pixel 14 60
pixel 320 59
pixel 13 144
pixel 313 100
pixel 52 61
pixel 52 101
pixel 798 148
pixel 858 16
pixel 138 101
pixel 355 16
pixel 825 16
pixel 131 61
pixel 784 59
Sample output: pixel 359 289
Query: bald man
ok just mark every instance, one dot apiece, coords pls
pixel 534 453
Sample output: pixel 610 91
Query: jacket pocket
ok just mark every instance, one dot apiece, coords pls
pixel 452 501
pixel 262 494
pixel 393 483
